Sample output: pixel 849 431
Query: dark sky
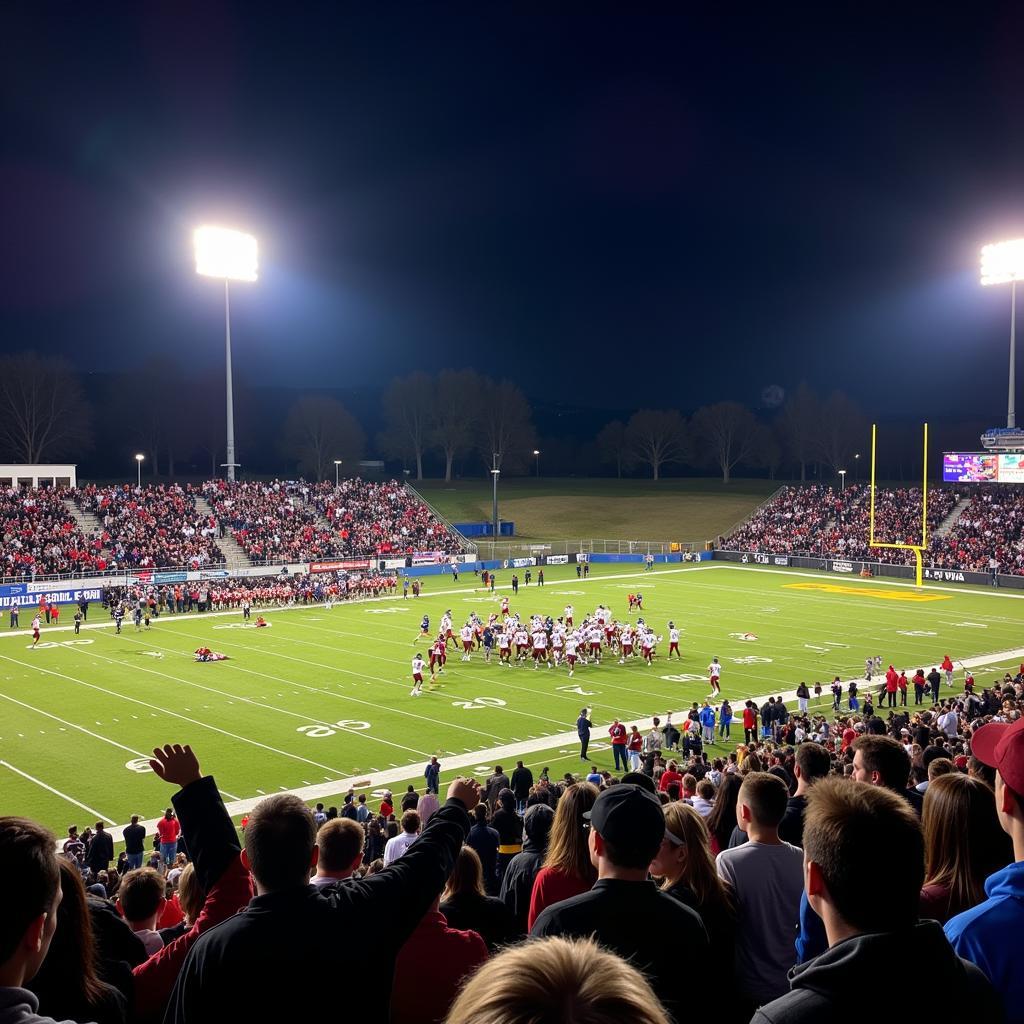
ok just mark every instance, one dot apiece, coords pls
pixel 622 208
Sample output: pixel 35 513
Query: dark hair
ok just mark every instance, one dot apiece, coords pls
pixel 766 797
pixel 886 756
pixel 481 813
pixel 141 892
pixel 67 980
pixel 279 841
pixel 845 825
pixel 813 760
pixel 411 822
pixel 722 819
pixel 340 841
pixel 29 859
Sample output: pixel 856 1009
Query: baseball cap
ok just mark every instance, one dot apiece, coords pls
pixel 628 816
pixel 1001 746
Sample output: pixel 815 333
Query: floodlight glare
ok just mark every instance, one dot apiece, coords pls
pixel 229 255
pixel 1003 262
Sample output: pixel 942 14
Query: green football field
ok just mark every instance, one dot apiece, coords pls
pixel 320 700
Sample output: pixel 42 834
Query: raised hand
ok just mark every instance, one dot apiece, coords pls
pixel 466 790
pixel 176 764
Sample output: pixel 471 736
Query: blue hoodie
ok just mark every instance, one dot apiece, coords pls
pixel 985 936
pixel 707 716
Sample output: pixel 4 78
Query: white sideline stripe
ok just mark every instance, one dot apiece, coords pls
pixel 56 792
pixel 495 755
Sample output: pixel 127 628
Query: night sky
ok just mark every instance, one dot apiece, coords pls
pixel 619 209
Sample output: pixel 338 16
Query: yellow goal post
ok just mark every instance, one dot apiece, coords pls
pixel 918 549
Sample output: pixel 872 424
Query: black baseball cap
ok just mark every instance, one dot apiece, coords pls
pixel 628 816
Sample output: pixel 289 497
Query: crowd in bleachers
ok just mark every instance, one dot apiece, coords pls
pixel 911 822
pixel 38 535
pixel 151 527
pixel 299 521
pixel 825 522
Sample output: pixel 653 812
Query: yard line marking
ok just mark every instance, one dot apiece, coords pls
pixel 174 714
pixel 57 792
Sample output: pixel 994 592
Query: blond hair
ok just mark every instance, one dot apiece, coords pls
pixel 190 896
pixel 550 981
pixel 567 847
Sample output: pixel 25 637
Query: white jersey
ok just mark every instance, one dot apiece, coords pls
pixel 568 611
pixel 673 635
pixel 714 670
pixel 570 646
pixel 540 639
pixel 467 634
pixel 521 638
pixel 417 665
pixel 647 642
pixel 557 640
pixel 446 624
pixel 504 604
pixel 504 641
pixel 594 636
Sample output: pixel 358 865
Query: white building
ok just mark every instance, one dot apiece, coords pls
pixel 54 475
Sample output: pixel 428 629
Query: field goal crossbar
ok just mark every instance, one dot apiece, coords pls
pixel 918 549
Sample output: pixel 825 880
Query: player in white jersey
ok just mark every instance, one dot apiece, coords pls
pixel 647 646
pixel 467 641
pixel 570 653
pixel 714 674
pixel 504 648
pixel 594 640
pixel 626 644
pixel 568 614
pixel 504 607
pixel 673 641
pixel 557 646
pixel 540 648
pixel 446 627
pixel 417 675
pixel 522 644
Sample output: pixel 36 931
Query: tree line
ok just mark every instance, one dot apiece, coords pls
pixel 458 422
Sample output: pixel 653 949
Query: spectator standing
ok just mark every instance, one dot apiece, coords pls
pixel 617 733
pixel 168 829
pixel 467 906
pixel 811 762
pixel 397 847
pixel 101 850
pixel 517 882
pixel 340 842
pixel 568 869
pixel 935 682
pixel 869 926
pixel 135 843
pixel 766 876
pixel 522 781
pixel 981 934
pixel 583 727
pixel 509 826
pixel 485 841
pixel 432 774
pixel 624 911
pixel 882 761
pixel 495 784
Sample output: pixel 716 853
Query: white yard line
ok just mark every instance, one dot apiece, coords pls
pixel 56 792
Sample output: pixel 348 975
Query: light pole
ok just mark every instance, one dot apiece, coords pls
pixel 138 464
pixel 856 466
pixel 1003 263
pixel 536 459
pixel 230 256
pixel 337 463
pixel 495 473
pixel 842 478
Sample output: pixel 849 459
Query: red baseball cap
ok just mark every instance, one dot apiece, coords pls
pixel 1001 746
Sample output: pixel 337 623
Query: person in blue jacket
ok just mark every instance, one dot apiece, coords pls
pixel 988 934
pixel 707 720
pixel 583 726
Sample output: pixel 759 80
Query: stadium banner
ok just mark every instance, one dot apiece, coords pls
pixel 77 583
pixel 17 593
pixel 522 563
pixel 556 560
pixel 170 577
pixel 760 559
pixel 342 565
pixel 841 565
pixel 392 563
pixel 291 569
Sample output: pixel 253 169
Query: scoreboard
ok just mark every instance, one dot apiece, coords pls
pixel 983 467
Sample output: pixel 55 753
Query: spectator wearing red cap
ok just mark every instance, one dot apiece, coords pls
pixel 988 934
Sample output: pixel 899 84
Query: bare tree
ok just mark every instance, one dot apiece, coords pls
pixel 768 449
pixel 728 433
pixel 505 425
pixel 613 444
pixel 456 410
pixel 43 412
pixel 319 430
pixel 800 423
pixel 842 431
pixel 657 437
pixel 409 410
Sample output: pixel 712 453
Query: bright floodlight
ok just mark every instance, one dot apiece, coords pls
pixel 1003 262
pixel 229 255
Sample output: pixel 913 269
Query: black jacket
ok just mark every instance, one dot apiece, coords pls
pixel 101 851
pixel 485 915
pixel 517 882
pixel 522 780
pixel 831 986
pixel 636 920
pixel 285 943
pixel 134 839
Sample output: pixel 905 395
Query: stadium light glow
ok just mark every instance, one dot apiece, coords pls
pixel 138 463
pixel 1003 263
pixel 229 255
pixel 337 465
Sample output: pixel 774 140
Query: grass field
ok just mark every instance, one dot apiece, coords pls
pixel 321 699
pixel 566 509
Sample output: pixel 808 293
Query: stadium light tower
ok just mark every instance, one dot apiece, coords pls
pixel 1003 263
pixel 138 463
pixel 230 256
pixel 495 473
pixel 337 464
pixel 842 478
pixel 536 457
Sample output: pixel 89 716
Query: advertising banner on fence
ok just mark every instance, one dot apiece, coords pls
pixel 77 583
pixel 18 594
pixel 842 567
pixel 341 565
pixel 770 559
pixel 393 563
pixel 557 559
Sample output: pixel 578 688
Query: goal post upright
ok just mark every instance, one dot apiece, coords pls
pixel 918 549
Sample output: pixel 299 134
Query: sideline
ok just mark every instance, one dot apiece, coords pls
pixel 494 755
